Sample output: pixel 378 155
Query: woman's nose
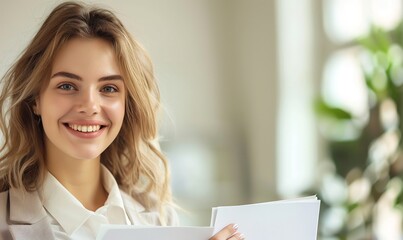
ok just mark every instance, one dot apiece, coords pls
pixel 89 102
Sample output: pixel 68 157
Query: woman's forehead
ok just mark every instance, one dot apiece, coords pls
pixel 86 56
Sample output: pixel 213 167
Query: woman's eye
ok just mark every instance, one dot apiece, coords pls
pixel 109 89
pixel 66 86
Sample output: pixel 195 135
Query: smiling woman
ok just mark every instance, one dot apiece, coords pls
pixel 79 119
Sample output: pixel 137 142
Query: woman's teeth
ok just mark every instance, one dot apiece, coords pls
pixel 85 128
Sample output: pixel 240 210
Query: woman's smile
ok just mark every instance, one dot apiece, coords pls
pixel 85 130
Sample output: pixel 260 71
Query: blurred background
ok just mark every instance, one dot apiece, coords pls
pixel 269 99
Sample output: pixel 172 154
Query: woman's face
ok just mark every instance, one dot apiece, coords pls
pixel 83 106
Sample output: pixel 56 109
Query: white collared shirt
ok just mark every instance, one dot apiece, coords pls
pixel 69 219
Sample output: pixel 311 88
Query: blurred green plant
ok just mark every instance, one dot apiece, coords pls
pixel 364 177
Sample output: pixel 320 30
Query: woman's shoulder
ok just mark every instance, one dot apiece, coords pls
pixel 3 195
pixel 4 232
pixel 3 204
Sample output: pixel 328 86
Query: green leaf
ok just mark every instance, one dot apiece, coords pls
pixel 377 40
pixel 325 110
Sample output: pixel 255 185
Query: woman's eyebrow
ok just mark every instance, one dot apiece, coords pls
pixel 67 75
pixel 111 77
pixel 76 77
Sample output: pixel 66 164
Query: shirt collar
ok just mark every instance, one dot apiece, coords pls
pixel 111 186
pixel 116 209
pixel 69 212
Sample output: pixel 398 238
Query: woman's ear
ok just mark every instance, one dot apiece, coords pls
pixel 36 107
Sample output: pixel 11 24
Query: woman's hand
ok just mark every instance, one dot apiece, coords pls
pixel 230 232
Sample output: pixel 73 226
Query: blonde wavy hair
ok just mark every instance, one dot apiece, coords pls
pixel 133 158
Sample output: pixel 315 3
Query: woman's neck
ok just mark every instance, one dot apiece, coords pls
pixel 82 178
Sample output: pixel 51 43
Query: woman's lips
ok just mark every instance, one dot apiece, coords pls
pixel 85 130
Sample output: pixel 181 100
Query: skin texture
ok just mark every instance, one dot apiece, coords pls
pixel 85 89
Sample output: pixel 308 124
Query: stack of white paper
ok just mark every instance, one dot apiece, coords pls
pixel 279 220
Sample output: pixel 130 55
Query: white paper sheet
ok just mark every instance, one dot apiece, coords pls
pixel 124 232
pixel 279 220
